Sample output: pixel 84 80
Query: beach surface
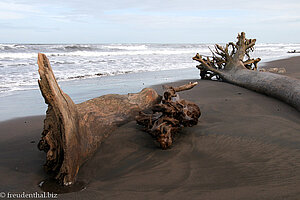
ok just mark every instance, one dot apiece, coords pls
pixel 245 146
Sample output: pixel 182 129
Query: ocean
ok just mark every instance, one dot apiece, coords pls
pixel 88 70
pixel 18 62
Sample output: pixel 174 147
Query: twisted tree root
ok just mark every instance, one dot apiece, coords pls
pixel 167 118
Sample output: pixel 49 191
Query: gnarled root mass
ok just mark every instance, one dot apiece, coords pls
pixel 223 58
pixel 168 117
pixel 73 132
pixel 232 63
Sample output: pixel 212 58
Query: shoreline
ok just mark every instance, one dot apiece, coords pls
pixel 245 146
pixel 30 102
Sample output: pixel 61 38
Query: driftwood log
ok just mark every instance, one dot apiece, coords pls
pixel 294 51
pixel 72 132
pixel 165 119
pixel 232 64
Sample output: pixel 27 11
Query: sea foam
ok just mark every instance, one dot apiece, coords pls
pixel 18 62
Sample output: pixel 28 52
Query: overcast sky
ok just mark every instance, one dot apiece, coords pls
pixel 148 21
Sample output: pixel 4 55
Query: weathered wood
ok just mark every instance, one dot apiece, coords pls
pixel 167 118
pixel 228 64
pixel 72 133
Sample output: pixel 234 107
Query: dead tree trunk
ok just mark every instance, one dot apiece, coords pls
pixel 168 117
pixel 73 132
pixel 233 64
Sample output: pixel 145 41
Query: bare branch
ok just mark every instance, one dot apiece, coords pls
pixel 250 43
pixel 251 61
pixel 208 67
pixel 188 86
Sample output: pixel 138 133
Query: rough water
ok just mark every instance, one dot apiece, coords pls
pixel 18 62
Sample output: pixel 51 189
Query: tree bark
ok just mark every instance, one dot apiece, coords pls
pixel 72 132
pixel 233 64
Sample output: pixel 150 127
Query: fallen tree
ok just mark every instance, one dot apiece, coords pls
pixel 232 63
pixel 167 118
pixel 72 132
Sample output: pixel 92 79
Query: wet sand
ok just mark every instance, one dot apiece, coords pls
pixel 245 146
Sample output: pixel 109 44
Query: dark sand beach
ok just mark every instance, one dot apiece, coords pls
pixel 292 66
pixel 245 146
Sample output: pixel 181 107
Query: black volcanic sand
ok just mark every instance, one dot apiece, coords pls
pixel 246 146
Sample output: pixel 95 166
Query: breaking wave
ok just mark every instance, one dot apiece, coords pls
pixel 18 62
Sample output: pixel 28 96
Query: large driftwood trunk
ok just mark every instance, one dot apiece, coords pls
pixel 233 64
pixel 72 133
